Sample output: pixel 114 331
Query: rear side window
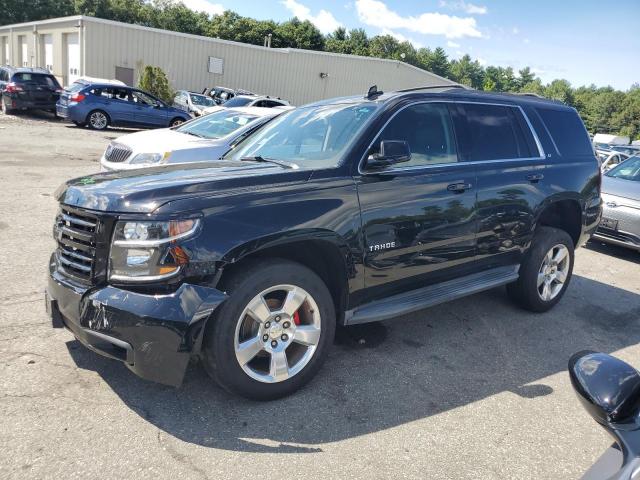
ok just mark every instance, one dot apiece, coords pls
pixel 493 132
pixel 567 131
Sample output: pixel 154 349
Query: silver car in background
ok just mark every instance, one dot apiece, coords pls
pixel 620 224
pixel 202 139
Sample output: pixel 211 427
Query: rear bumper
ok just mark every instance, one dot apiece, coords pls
pixel 18 103
pixel 616 237
pixel 153 335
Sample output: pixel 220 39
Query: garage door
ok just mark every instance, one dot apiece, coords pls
pixel 47 43
pixel 73 58
pixel 24 51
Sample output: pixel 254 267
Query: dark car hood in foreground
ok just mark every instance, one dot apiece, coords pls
pixel 621 188
pixel 144 190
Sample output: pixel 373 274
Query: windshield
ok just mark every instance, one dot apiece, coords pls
pixel 202 100
pixel 315 136
pixel 216 125
pixel 627 170
pixel 238 102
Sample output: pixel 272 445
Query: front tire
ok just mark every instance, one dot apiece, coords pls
pixel 546 271
pixel 271 336
pixel 98 120
pixel 175 122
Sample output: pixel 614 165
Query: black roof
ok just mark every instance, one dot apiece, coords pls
pixel 26 69
pixel 452 92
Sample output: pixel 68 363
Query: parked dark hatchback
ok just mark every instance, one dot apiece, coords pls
pixel 28 89
pixel 337 213
pixel 99 106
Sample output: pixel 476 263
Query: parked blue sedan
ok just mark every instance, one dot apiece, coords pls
pixel 102 105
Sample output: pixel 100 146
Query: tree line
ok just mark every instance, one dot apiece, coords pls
pixel 603 109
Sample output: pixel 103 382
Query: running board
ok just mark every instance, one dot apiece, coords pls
pixel 415 300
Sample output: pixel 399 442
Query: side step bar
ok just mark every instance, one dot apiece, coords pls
pixel 415 300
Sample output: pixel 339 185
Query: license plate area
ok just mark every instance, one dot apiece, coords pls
pixel 609 223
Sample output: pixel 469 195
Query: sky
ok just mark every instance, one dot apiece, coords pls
pixel 584 42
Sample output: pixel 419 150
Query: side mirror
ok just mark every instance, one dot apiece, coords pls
pixel 391 152
pixel 608 388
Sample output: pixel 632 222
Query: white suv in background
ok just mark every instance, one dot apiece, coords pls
pixel 205 138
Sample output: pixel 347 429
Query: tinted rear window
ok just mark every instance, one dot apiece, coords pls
pixel 567 131
pixel 36 78
pixel 493 132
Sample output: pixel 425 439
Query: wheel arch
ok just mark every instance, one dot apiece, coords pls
pixel 564 213
pixel 324 252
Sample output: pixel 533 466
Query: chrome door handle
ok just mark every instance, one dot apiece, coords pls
pixel 459 187
pixel 535 177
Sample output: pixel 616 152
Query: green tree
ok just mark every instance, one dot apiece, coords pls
pixel 438 62
pixel 560 90
pixel 297 34
pixel 467 72
pixel 384 46
pixel 525 75
pixel 155 81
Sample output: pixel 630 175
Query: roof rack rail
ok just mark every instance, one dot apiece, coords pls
pixel 428 87
pixel 528 94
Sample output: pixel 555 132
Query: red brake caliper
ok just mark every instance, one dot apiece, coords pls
pixel 296 318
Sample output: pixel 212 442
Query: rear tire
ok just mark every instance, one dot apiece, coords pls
pixel 98 120
pixel 176 121
pixel 289 340
pixel 546 271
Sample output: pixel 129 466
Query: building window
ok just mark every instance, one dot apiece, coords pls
pixel 216 65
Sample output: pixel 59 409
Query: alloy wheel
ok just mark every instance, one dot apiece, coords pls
pixel 98 120
pixel 553 272
pixel 277 334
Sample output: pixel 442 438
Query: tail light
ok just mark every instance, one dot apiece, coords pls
pixel 12 88
pixel 76 97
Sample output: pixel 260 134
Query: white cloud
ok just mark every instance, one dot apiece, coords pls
pixel 324 20
pixel 401 38
pixel 204 6
pixel 469 8
pixel 526 40
pixel 515 30
pixel 451 44
pixel 376 14
pixel 482 61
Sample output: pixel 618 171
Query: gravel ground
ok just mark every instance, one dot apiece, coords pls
pixel 472 389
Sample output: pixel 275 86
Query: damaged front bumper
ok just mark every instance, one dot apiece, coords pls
pixel 153 335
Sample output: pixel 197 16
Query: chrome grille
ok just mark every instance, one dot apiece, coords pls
pixel 117 153
pixel 75 232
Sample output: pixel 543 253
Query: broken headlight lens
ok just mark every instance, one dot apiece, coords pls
pixel 146 251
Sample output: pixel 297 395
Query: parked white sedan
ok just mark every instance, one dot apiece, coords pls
pixel 203 139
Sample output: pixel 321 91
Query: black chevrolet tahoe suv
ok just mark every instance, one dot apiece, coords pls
pixel 341 212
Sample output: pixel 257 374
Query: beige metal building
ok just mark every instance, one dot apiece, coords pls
pixel 85 46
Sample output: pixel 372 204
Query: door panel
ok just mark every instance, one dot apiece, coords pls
pixel 147 113
pixel 418 217
pixel 510 173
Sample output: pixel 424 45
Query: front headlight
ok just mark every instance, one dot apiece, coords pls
pixel 150 158
pixel 146 251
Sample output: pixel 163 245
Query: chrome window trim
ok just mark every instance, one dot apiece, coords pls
pixel 441 165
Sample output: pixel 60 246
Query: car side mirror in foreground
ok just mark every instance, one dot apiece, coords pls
pixel 391 152
pixel 608 388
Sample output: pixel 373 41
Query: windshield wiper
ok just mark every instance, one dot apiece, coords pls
pixel 192 133
pixel 258 158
